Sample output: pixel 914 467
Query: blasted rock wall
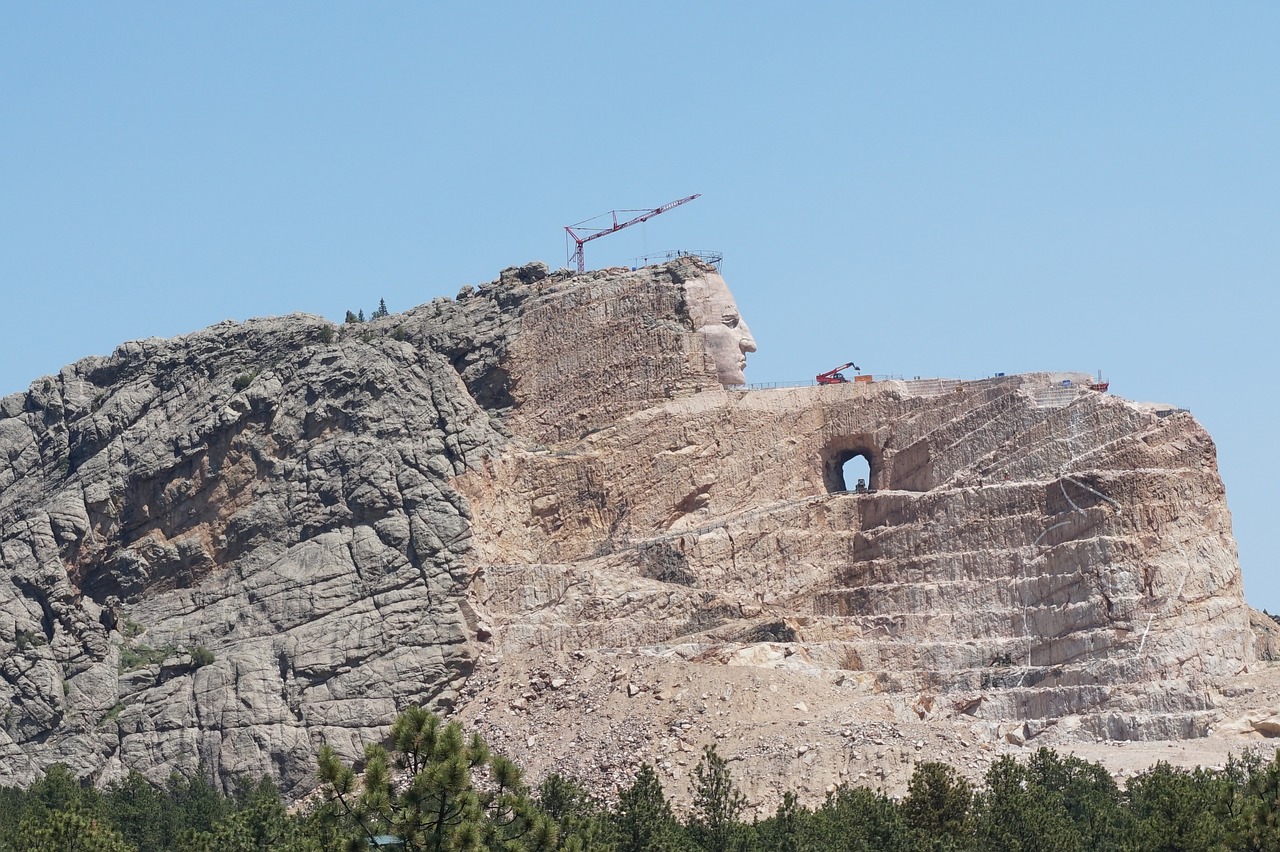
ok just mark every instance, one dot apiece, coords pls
pixel 1028 551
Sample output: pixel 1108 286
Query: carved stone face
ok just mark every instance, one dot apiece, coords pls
pixel 715 316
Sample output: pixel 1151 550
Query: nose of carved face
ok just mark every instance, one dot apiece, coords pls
pixel 746 343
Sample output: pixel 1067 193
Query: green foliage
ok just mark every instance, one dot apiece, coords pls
pixel 326 335
pixel 29 639
pixel 256 820
pixel 201 656
pixel 583 823
pixel 398 333
pixel 937 805
pixel 438 805
pixel 381 310
pixel 1014 814
pixel 69 831
pixel 200 803
pixel 789 830
pixel 136 656
pixel 59 812
pixel 855 819
pixel 132 629
pixel 717 804
pixel 1178 809
pixel 56 812
pixel 352 318
pixel 1252 818
pixel 644 820
pixel 440 790
pixel 1051 803
pixel 143 814
pixel 243 381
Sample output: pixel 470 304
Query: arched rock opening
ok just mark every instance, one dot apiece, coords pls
pixel 839 452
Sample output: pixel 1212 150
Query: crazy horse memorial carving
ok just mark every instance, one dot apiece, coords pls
pixel 551 508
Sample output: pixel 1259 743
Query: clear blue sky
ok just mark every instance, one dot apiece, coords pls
pixel 941 188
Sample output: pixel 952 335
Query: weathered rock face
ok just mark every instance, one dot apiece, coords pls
pixel 549 471
pixel 273 492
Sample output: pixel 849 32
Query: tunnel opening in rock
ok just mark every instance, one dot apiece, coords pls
pixel 846 461
pixel 856 473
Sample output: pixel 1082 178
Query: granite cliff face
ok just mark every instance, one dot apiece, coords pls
pixel 536 505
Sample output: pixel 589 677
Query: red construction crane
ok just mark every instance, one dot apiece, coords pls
pixel 596 233
pixel 835 377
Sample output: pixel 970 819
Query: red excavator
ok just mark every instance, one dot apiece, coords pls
pixel 835 377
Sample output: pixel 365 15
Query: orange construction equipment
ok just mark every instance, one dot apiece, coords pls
pixel 835 377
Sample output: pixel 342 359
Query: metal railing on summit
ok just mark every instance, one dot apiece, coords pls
pixel 713 258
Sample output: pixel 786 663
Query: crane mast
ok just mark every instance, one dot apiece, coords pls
pixel 581 234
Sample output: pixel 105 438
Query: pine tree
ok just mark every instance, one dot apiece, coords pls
pixel 1015 813
pixel 786 830
pixel 1173 808
pixel 717 803
pixel 937 804
pixel 144 815
pixel 70 831
pixel 432 803
pixel 584 825
pixel 643 819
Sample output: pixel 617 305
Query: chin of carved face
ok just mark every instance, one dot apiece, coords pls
pixel 715 316
pixel 725 348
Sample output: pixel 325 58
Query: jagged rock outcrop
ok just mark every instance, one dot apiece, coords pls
pixel 278 493
pixel 548 474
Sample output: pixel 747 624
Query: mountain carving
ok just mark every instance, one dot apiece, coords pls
pixel 537 507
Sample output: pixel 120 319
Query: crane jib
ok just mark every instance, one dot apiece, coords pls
pixel 645 216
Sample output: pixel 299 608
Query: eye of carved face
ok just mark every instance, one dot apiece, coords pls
pixel 730 320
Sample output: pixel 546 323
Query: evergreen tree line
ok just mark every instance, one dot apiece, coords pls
pixel 433 788
pixel 358 316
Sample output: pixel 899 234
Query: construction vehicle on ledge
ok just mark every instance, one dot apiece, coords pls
pixel 835 377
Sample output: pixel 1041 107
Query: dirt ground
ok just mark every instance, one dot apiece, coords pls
pixel 785 725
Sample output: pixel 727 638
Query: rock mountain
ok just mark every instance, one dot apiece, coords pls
pixel 539 508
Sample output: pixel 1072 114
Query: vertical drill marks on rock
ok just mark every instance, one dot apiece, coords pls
pixel 1177 597
pixel 1075 508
